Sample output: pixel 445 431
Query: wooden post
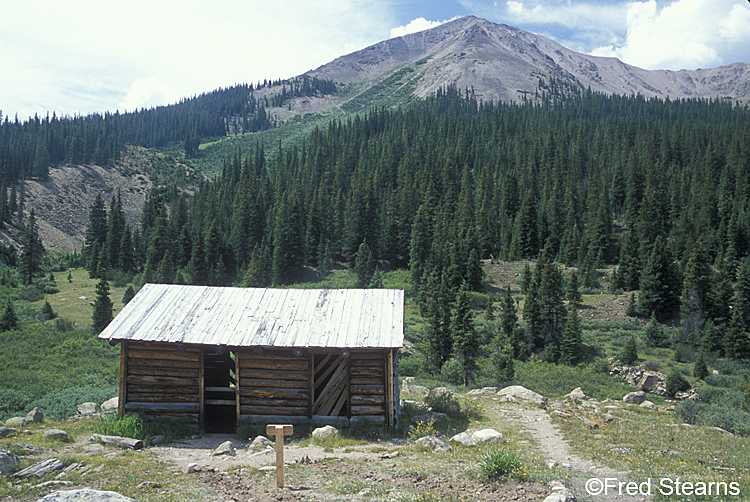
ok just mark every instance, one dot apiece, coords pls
pixel 279 431
pixel 123 390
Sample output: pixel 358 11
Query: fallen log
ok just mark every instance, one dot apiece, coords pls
pixel 121 442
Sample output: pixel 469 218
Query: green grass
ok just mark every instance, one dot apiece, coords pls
pixel 68 303
pixel 655 445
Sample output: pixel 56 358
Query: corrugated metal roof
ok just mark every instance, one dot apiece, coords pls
pixel 248 317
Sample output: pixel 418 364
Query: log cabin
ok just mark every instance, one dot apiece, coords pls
pixel 216 355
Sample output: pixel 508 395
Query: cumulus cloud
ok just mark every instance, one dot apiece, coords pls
pixel 685 34
pixel 147 93
pixel 416 25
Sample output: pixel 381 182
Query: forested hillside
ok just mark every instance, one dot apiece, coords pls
pixel 659 188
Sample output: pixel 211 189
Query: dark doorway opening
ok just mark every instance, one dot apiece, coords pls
pixel 219 391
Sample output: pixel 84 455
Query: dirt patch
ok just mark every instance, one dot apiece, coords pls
pixel 62 201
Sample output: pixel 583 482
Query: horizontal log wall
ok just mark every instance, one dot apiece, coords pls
pixel 368 384
pixel 162 381
pixel 273 383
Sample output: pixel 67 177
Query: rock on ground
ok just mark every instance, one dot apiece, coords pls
pixel 225 448
pixel 634 397
pixel 85 495
pixel 7 431
pixel 487 435
pixel 35 416
pixel 14 422
pixel 8 462
pixel 433 443
pixel 260 443
pixel 464 438
pixel 41 469
pixel 55 434
pixel 86 409
pixel 648 405
pixel 430 415
pixel 109 404
pixel 523 394
pixel 483 391
pixel 325 432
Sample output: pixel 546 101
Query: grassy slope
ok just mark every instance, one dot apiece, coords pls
pixel 68 303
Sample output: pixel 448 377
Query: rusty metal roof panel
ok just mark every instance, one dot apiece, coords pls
pixel 264 317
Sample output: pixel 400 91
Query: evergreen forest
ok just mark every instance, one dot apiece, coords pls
pixel 650 197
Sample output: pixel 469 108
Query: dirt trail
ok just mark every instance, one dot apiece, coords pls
pixel 536 422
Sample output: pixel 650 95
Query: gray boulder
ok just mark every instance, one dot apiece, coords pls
pixel 577 395
pixel 14 422
pixel 86 409
pixel 35 416
pixel 8 462
pixel 435 416
pixel 41 469
pixel 260 443
pixel 109 404
pixel 484 391
pixel 486 435
pixel 58 434
pixel 7 431
pixel 85 495
pixel 225 448
pixel 523 394
pixel 648 405
pixel 465 439
pixel 433 443
pixel 325 432
pixel 634 397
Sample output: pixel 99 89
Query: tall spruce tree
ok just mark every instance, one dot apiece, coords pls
pixel 32 251
pixel 96 235
pixel 102 314
pixel 465 336
pixel 660 284
pixel 571 344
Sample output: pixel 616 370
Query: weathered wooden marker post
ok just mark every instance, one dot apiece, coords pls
pixel 279 431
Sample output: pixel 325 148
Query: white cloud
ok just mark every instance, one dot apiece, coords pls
pixel 148 92
pixel 83 56
pixel 416 25
pixel 571 15
pixel 686 34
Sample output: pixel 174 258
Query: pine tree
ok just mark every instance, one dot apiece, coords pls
pixel 676 383
pixel 32 251
pixel 47 310
pixel 502 355
pixel 364 265
pixel 571 344
pixel 696 284
pixel 736 339
pixel 629 354
pixel 96 235
pixel 552 313
pixel 573 292
pixel 9 319
pixel 659 284
pixel 102 314
pixel 465 336
pixel 711 339
pixel 700 370
pixel 436 301
pixel 526 278
pixel 128 294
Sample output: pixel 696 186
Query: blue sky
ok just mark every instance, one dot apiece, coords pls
pixel 83 56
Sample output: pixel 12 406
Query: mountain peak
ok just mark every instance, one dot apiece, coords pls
pixel 501 62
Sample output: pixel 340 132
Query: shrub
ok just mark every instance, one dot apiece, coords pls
pixel 501 464
pixel 676 383
pixel 629 353
pixel 12 402
pixel 444 402
pixel 423 429
pixel 730 419
pixel 700 370
pixel 62 404
pixel 451 372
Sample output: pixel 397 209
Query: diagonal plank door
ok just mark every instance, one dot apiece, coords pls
pixel 331 385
